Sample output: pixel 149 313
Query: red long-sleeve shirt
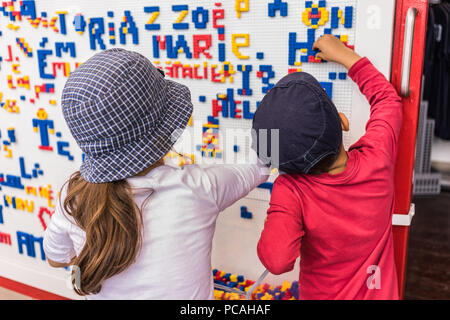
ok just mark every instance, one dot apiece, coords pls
pixel 341 225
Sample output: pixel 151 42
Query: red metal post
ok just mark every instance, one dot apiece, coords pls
pixel 407 139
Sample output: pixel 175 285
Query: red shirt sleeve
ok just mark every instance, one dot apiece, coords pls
pixel 386 112
pixel 280 240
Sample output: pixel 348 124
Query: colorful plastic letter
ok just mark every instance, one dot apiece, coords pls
pixel 236 45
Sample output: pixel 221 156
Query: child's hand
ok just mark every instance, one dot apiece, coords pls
pixel 332 49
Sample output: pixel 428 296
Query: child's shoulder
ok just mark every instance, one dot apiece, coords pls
pixel 289 181
pixel 287 191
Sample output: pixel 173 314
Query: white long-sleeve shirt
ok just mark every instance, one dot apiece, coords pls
pixel 178 227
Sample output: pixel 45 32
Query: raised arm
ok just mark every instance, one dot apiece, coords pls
pixel 385 121
pixel 386 111
pixel 230 183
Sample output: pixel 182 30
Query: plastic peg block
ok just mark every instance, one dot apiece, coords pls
pixel 79 23
pixel 62 22
pixel 174 50
pixel 294 46
pixel 151 25
pixel 213 120
pixel 61 149
pixel 66 47
pixel 11 135
pixel 241 6
pixel 236 45
pixel 328 87
pixel 268 74
pixel 28 240
pixel 201 44
pixel 246 70
pixel 218 14
pixel 222 56
pixel 11 181
pixel 342 75
pixel 334 17
pixel 247 114
pixel 44 127
pixel 348 14
pixel 43 42
pixel 28 8
pixel 245 214
pixel 128 26
pixel 96 29
pixel 278 5
pixel 184 10
pixel 23 172
pixel 200 18
pixel 23 239
pixel 266 185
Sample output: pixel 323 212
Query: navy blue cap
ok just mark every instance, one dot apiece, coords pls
pixel 308 122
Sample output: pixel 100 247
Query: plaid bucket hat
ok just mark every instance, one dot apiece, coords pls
pixel 123 114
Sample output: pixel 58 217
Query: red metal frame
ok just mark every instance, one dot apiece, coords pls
pixel 407 139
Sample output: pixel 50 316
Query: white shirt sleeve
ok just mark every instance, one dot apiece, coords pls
pixel 58 245
pixel 230 183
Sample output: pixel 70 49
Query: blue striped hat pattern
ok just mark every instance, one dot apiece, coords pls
pixel 122 113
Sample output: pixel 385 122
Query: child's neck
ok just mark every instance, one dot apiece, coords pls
pixel 341 162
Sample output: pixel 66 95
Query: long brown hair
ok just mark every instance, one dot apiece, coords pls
pixel 113 224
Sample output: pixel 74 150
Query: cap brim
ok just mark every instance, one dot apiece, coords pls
pixel 140 154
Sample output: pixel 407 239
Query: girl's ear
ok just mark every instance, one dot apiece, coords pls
pixel 344 122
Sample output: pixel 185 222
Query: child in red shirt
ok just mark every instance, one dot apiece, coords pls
pixel 332 207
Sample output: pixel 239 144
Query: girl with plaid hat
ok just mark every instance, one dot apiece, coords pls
pixel 134 227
